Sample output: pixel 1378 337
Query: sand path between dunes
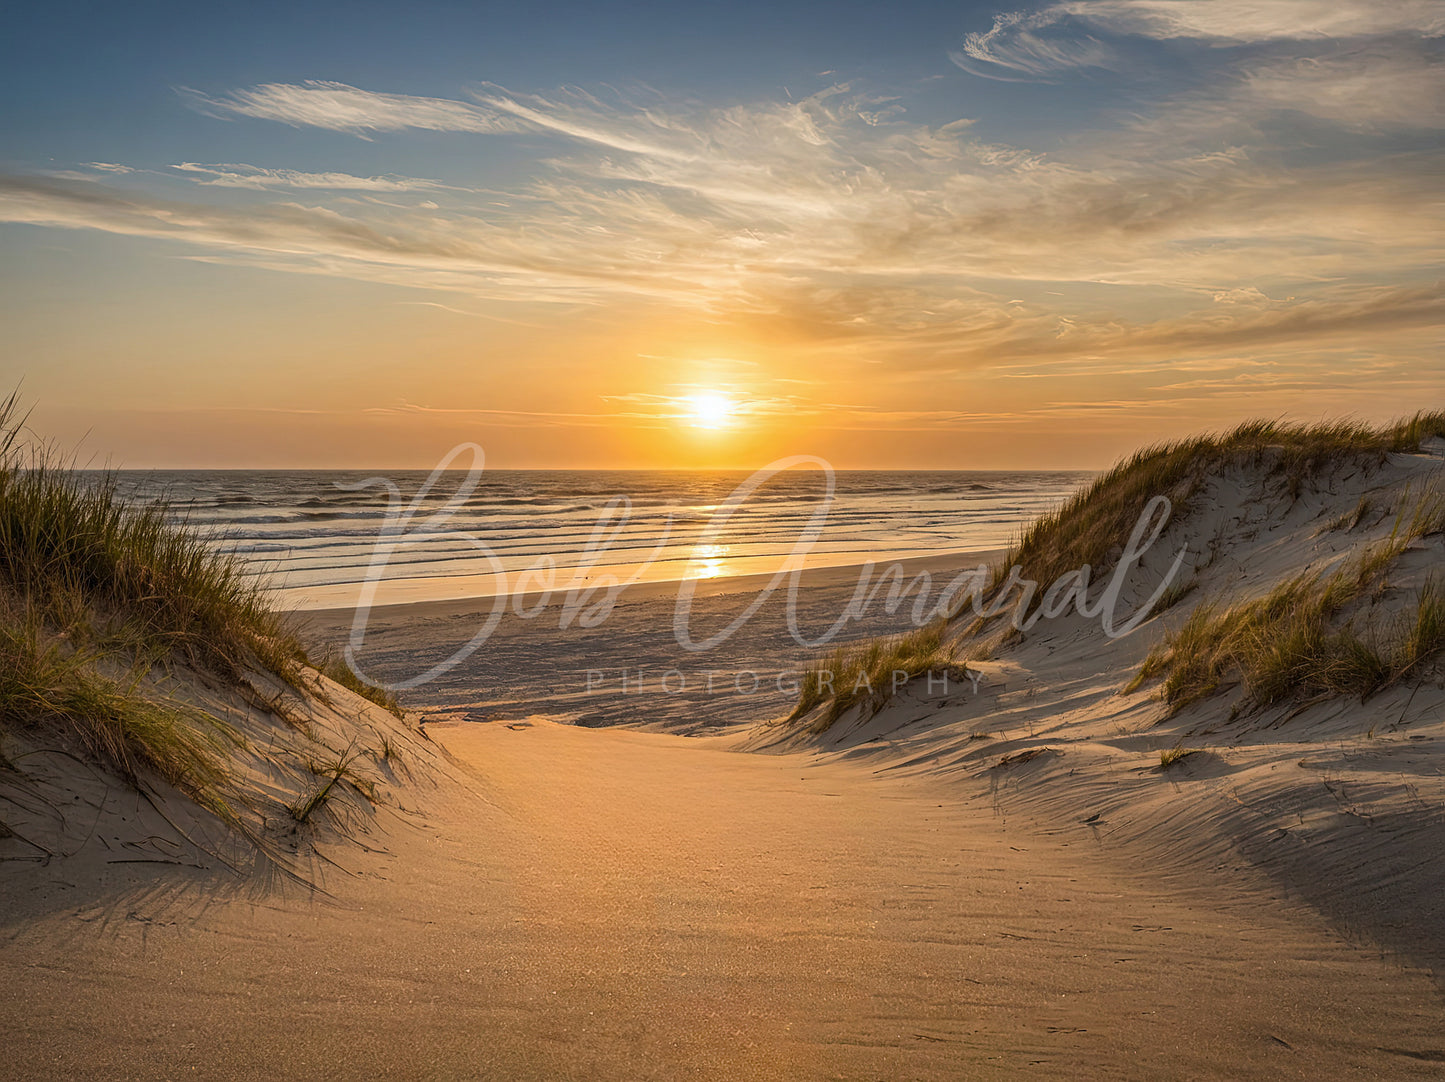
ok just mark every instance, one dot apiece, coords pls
pixel 623 905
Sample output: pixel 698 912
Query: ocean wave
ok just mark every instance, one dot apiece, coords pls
pixel 296 526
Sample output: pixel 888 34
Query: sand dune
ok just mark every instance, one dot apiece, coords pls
pixel 1341 801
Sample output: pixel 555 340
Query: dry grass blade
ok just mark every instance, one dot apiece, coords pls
pixel 869 671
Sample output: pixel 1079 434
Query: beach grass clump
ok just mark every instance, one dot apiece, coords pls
pixel 1350 519
pixel 47 686
pixel 1423 637
pixel 1294 645
pixel 1175 593
pixel 78 552
pixel 1426 517
pixel 333 778
pixel 1287 636
pixel 871 670
pixel 1170 756
pixel 334 667
pixel 97 593
pixel 119 575
pixel 1099 518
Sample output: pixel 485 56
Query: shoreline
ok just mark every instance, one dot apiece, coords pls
pixel 1046 868
pixel 826 577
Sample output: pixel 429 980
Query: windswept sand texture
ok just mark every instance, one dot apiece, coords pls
pixel 625 905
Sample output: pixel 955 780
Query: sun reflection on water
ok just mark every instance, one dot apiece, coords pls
pixel 708 562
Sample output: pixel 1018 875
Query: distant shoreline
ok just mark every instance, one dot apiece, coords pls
pixel 314 540
pixel 824 577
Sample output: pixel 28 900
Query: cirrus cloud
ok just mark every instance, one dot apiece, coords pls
pixel 339 107
pixel 257 178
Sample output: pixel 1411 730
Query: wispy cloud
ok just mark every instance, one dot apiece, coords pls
pixel 257 178
pixel 1020 43
pixel 1401 86
pixel 838 226
pixel 1321 56
pixel 338 107
pixel 1252 21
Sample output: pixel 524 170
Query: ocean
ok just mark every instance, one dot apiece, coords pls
pixel 315 537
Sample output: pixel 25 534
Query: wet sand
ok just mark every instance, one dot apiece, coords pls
pixel 629 669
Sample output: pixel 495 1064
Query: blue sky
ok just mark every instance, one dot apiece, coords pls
pixel 953 235
pixel 101 80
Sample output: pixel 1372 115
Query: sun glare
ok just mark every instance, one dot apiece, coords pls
pixel 709 410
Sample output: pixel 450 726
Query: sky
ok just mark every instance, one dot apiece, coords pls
pixel 592 235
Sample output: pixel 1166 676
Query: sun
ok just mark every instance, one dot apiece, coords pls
pixel 709 410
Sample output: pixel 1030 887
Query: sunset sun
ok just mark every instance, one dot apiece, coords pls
pixel 709 410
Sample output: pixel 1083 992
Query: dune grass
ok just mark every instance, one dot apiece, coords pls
pixel 1172 756
pixel 1350 519
pixel 96 592
pixel 865 672
pixel 1423 637
pixel 77 552
pixel 334 667
pixel 1292 645
pixel 334 777
pixel 1093 525
pixel 45 684
pixel 1100 517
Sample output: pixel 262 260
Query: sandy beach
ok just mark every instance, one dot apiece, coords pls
pixel 783 541
pixel 614 905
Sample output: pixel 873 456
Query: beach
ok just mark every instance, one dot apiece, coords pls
pixel 755 542
pixel 574 856
pixel 610 904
